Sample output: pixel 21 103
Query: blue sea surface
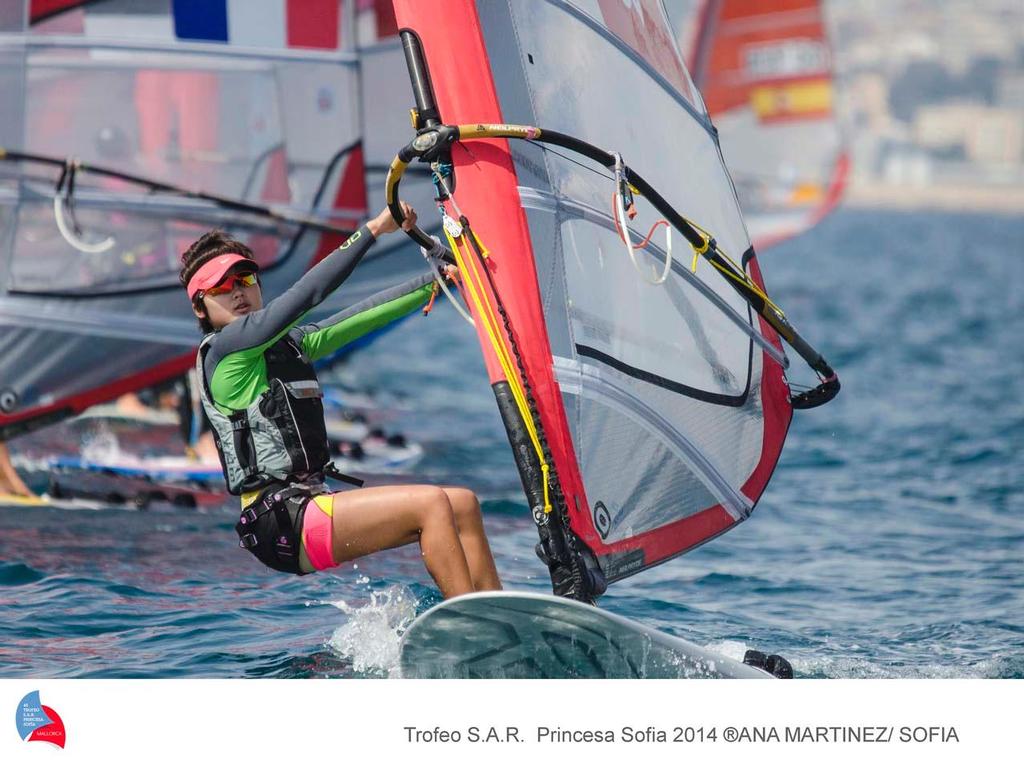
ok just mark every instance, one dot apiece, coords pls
pixel 888 544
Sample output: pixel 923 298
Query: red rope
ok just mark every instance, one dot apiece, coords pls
pixel 646 240
pixel 433 297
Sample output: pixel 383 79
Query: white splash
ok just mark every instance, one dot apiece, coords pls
pixel 371 634
pixel 102 446
pixel 729 648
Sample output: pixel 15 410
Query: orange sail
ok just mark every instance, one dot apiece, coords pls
pixel 765 69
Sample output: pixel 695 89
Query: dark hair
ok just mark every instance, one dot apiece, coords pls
pixel 208 247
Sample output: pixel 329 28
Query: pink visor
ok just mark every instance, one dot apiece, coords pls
pixel 213 271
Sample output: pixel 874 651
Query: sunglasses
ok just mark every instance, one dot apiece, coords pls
pixel 228 284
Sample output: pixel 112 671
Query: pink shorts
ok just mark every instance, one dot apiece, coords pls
pixel 318 531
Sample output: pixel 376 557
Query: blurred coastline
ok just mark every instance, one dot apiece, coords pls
pixel 993 199
pixel 931 96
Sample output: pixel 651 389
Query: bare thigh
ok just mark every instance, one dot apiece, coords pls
pixel 368 520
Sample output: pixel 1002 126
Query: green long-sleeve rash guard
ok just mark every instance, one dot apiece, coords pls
pixel 234 365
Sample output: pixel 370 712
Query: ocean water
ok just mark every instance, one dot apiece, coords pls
pixel 889 543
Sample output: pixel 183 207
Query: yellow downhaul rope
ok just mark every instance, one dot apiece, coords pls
pixel 473 281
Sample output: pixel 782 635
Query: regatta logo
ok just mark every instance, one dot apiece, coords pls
pixel 38 722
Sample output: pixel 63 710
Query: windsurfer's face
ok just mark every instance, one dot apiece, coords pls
pixel 224 308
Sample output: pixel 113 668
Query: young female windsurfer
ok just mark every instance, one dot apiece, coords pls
pixel 262 398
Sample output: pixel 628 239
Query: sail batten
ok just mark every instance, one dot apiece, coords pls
pixel 579 377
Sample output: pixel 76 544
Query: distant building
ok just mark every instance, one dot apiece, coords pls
pixel 944 125
pixel 868 94
pixel 906 165
pixel 997 137
pixel 1010 90
pixel 986 135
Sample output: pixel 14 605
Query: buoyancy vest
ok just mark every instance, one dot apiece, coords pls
pixel 279 437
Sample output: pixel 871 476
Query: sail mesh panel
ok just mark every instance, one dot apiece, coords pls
pixel 654 457
pixel 637 478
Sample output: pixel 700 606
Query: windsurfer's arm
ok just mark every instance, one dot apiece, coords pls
pixel 324 338
pixel 233 363
pixel 261 329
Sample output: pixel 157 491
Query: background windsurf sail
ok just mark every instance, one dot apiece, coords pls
pixel 656 413
pixel 89 318
pixel 766 72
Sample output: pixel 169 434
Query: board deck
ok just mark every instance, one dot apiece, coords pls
pixel 13 500
pixel 508 634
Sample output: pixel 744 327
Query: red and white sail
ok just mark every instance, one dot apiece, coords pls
pixel 664 406
pixel 142 89
pixel 765 69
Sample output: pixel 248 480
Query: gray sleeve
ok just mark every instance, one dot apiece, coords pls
pixel 255 331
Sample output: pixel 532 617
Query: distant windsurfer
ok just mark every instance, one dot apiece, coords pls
pixel 263 401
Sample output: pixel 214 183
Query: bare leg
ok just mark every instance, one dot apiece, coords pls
pixel 470 524
pixel 370 519
pixel 10 481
